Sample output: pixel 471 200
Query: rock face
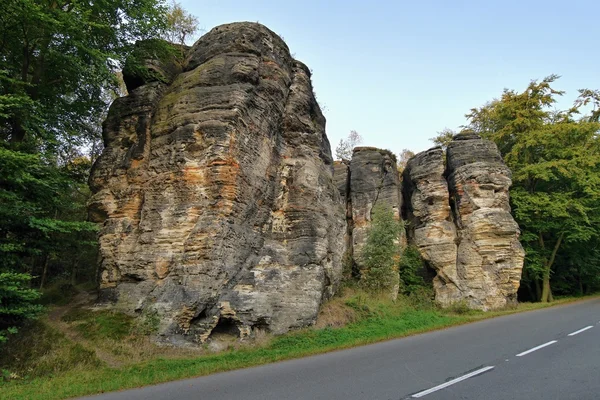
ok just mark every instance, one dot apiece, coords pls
pixel 471 241
pixel 369 180
pixel 216 193
pixel 373 181
pixel 430 223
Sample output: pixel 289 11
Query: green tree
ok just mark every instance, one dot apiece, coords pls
pixel 443 137
pixel 57 58
pixel 59 63
pixel 381 252
pixel 412 270
pixel 555 161
pixel 41 214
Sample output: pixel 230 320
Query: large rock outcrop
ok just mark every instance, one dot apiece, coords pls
pixel 216 194
pixel 460 220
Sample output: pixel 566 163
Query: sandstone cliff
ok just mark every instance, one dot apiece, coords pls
pixel 470 240
pixel 216 194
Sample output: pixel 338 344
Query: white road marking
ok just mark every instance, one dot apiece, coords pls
pixel 581 330
pixel 452 382
pixel 541 346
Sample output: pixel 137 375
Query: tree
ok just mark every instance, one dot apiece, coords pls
pixel 381 252
pixel 443 137
pixel 56 60
pixel 555 161
pixel 58 70
pixel 180 25
pixel 403 158
pixel 344 149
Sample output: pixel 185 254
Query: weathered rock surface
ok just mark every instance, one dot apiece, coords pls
pixel 216 193
pixel 374 180
pixel 489 255
pixel 472 241
pixel 429 218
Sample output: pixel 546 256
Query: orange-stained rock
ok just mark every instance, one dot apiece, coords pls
pixel 216 195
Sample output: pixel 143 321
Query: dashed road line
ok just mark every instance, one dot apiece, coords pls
pixel 452 382
pixel 541 346
pixel 581 330
pixel 485 369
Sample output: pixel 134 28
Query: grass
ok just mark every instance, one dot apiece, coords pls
pixel 71 370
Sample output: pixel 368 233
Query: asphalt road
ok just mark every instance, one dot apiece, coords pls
pixel 499 358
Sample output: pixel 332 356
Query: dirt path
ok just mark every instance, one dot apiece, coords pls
pixel 81 301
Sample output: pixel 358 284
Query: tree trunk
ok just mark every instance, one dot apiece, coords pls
pixel 74 272
pixel 546 289
pixel 45 271
pixel 538 290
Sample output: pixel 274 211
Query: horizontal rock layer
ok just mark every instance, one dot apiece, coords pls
pixel 216 194
pixel 472 240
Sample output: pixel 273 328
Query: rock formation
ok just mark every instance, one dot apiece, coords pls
pixel 369 179
pixel 373 180
pixel 223 211
pixel 216 194
pixel 472 240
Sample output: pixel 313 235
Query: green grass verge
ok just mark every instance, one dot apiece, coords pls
pixel 377 321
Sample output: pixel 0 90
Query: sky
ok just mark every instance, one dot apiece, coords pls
pixel 398 72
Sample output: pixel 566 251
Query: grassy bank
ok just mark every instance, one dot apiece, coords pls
pixel 85 352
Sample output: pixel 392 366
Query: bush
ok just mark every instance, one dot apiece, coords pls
pixel 412 268
pixel 380 253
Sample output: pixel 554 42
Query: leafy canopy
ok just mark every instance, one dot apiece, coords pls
pixel 555 161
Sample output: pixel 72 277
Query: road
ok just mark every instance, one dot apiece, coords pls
pixel 547 354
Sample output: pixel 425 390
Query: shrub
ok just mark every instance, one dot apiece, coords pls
pixel 380 253
pixel 412 268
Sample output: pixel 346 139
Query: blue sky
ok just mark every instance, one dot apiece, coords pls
pixel 398 71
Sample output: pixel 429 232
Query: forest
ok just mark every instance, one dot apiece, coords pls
pixel 57 81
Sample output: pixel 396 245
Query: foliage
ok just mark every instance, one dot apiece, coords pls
pixel 412 269
pixel 58 73
pixel 54 74
pixel 380 253
pixel 555 161
pixel 403 158
pixel 17 302
pixel 344 149
pixel 41 210
pixel 443 138
pixel 180 24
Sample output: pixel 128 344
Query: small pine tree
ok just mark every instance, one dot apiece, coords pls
pixel 380 253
